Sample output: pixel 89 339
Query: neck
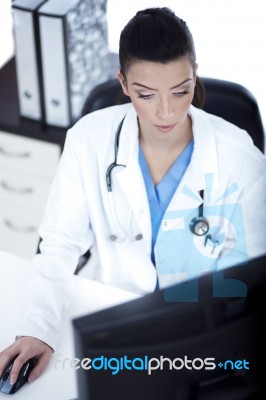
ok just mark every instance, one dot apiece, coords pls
pixel 161 154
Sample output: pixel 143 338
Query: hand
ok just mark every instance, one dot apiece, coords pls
pixel 25 348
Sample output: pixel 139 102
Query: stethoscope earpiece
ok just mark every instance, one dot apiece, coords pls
pixel 139 236
pixel 113 238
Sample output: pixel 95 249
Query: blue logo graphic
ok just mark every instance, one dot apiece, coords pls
pixel 185 256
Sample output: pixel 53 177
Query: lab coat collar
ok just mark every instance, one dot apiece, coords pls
pixel 201 173
pixel 130 178
pixel 204 158
pixel 128 144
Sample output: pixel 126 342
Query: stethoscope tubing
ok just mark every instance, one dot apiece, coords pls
pixel 123 235
pixel 200 220
pixel 114 164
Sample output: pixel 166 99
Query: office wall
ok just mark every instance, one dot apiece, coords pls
pixel 230 36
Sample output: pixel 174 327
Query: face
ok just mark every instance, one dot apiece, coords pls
pixel 161 95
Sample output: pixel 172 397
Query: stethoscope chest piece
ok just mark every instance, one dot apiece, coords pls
pixel 199 226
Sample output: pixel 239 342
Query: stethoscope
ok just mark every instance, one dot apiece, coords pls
pixel 199 225
pixel 123 236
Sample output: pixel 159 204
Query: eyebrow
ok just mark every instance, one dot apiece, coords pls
pixel 147 87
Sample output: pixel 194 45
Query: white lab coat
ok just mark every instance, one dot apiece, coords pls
pixel 78 215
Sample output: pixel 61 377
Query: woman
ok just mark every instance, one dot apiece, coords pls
pixel 143 214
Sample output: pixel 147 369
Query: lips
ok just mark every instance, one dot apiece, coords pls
pixel 165 128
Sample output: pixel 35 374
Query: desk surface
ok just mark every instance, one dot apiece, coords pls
pixel 55 383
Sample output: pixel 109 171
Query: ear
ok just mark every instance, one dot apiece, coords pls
pixel 123 82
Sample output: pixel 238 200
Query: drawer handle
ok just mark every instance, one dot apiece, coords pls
pixel 27 154
pixel 17 190
pixel 28 229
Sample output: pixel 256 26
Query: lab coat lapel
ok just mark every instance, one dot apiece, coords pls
pixel 202 172
pixel 130 178
pixel 174 248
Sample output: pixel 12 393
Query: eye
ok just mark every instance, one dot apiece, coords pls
pixel 145 96
pixel 181 94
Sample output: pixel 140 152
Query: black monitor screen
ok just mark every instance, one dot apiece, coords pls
pixel 170 345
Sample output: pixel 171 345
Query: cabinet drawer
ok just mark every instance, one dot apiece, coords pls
pixel 22 190
pixel 30 155
pixel 19 231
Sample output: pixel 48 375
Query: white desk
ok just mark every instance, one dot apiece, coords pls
pixel 91 296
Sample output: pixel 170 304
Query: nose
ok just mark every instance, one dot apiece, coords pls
pixel 165 110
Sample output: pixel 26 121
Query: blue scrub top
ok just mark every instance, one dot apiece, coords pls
pixel 160 195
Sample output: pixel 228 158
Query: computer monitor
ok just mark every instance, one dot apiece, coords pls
pixel 159 347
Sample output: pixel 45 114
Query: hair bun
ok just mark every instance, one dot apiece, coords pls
pixel 156 11
pixel 148 11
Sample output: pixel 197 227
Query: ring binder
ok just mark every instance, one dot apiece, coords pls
pixel 27 55
pixel 75 58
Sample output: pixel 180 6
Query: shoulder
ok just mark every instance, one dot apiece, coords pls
pixel 231 141
pixel 104 115
pixel 99 124
pixel 222 129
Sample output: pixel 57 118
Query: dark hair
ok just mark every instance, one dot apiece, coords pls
pixel 157 34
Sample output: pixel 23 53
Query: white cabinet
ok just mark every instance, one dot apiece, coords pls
pixel 27 167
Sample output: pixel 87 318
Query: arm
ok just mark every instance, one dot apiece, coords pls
pixel 247 218
pixel 66 235
pixel 254 213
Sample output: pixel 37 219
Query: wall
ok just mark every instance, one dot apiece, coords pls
pixel 230 36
